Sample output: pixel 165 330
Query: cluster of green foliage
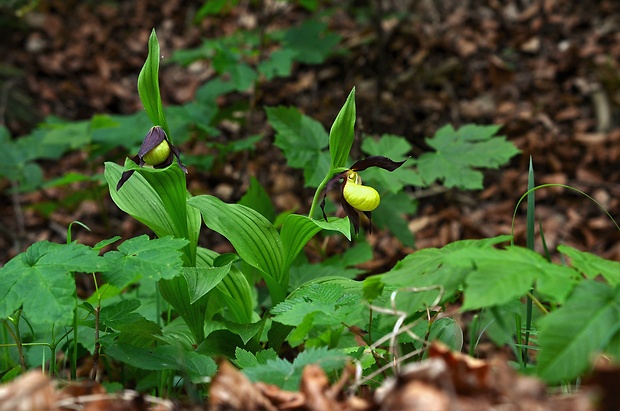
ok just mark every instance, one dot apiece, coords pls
pixel 165 307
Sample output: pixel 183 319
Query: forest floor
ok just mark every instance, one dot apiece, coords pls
pixel 547 70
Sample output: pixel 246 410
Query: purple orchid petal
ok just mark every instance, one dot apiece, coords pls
pixel 331 184
pixel 353 215
pixel 377 161
pixel 153 138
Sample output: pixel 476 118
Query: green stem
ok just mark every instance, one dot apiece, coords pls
pixel 317 194
pixel 75 341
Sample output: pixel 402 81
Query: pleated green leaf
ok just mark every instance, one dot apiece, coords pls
pixel 157 198
pixel 148 85
pixel 297 230
pixel 234 288
pixel 342 133
pixel 201 280
pixel 255 239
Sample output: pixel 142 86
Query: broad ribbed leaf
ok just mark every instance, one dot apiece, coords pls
pixel 254 238
pixel 157 198
pixel 570 336
pixel 148 85
pixel 342 133
pixel 297 230
pixel 234 288
pixel 166 357
pixel 201 280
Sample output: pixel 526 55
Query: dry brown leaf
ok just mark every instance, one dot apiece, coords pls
pixel 231 390
pixel 32 391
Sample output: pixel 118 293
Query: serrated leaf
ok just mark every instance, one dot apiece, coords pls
pixel 140 257
pixel 427 268
pixel 317 305
pixel 287 375
pixel 303 141
pixel 458 152
pixel 592 265
pixel 315 51
pixel 388 145
pixel 40 280
pixel 123 312
pixel 245 359
pixel 278 64
pixel 392 214
pixel 498 276
pixel 571 335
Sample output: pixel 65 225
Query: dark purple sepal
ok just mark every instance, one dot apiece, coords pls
pixel 377 161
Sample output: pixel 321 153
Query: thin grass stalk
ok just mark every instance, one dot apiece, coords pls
pixel 529 243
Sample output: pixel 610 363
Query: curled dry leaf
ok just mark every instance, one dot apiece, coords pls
pixel 231 390
pixel 30 392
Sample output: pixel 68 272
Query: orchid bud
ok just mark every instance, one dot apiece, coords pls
pixel 158 154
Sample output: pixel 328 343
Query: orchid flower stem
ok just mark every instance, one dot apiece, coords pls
pixel 317 194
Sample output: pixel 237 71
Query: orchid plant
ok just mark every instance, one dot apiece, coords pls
pixel 212 289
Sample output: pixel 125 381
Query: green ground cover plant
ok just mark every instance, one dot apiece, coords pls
pixel 165 307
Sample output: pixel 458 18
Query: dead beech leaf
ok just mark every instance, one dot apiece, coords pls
pixel 468 374
pixel 32 391
pixel 231 390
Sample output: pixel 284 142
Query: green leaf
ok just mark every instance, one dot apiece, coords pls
pixel 245 359
pixel 257 198
pixel 287 375
pixel 388 145
pixel 316 306
pixel 148 86
pixel 341 265
pixel 245 331
pixel 570 336
pixel 40 280
pixel 121 313
pixel 201 280
pixel 429 267
pixel 498 276
pixel 592 265
pixel 165 357
pixel 140 257
pixel 303 141
pixel 256 241
pixel 458 153
pixel 234 288
pixel 278 64
pixel 157 198
pixel 342 133
pixel 315 51
pixel 297 230
pixel 123 131
pixel 393 213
